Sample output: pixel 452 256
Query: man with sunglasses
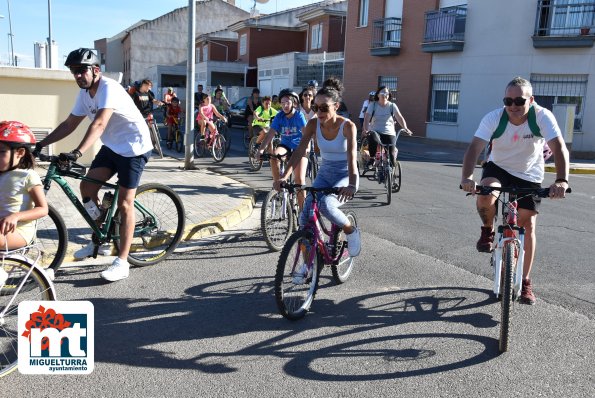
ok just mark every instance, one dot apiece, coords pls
pixel 126 146
pixel 516 159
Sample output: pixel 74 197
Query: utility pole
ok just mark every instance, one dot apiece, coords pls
pixel 189 136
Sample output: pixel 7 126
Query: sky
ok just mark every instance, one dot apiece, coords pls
pixel 79 23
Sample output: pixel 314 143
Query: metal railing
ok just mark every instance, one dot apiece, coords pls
pixel 387 33
pixel 445 24
pixel 568 18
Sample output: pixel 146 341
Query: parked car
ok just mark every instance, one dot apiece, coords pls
pixel 237 113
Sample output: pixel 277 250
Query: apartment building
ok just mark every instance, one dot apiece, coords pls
pixel 448 61
pixel 163 40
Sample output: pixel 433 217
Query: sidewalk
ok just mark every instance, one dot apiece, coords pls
pixel 213 203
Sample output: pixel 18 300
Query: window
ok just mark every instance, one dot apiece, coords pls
pixel 363 13
pixel 561 89
pixel 391 83
pixel 243 39
pixel 316 36
pixel 445 98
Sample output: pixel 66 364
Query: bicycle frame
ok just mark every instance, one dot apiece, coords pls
pixel 56 173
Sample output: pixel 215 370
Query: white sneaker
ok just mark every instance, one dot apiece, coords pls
pixel 299 277
pixel 87 251
pixel 3 277
pixel 354 242
pixel 118 270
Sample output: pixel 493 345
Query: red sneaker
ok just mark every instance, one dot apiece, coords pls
pixel 527 296
pixel 486 241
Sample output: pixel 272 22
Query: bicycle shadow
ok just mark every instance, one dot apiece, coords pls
pixel 181 333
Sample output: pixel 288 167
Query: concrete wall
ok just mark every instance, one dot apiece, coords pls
pixel 42 98
pixel 495 53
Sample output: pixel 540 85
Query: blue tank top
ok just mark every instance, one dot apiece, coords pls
pixel 332 150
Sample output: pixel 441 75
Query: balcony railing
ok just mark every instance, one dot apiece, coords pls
pixel 386 37
pixel 445 29
pixel 564 24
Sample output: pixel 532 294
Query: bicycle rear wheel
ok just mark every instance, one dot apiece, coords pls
pixel 159 224
pixel 506 289
pixel 224 131
pixel 52 239
pixel 276 220
pixel 34 286
pixel 200 145
pixel 296 285
pixel 397 177
pixel 255 165
pixel 344 263
pixel 246 138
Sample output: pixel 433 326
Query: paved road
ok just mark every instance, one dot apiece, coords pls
pixel 411 321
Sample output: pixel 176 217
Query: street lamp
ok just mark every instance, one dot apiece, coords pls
pixel 10 35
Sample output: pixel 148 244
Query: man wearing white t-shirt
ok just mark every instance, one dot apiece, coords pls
pixel 126 146
pixel 516 160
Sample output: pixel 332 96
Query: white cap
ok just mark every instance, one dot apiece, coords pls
pixel 372 92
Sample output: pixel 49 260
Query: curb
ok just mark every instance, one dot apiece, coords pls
pixel 573 170
pixel 223 221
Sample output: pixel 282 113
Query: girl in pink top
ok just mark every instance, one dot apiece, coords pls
pixel 205 115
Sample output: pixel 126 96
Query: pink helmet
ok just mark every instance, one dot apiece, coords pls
pixel 16 134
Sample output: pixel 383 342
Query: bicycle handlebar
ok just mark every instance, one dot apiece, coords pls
pixel 65 162
pixel 540 192
pixel 292 187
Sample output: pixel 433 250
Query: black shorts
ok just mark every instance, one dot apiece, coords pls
pixel 508 180
pixel 288 149
pixel 129 170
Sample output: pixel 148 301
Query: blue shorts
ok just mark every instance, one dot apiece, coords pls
pixel 129 170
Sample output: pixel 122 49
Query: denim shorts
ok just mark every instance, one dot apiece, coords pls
pixel 508 180
pixel 129 170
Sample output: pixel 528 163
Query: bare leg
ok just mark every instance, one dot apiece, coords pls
pixel 126 207
pixel 528 219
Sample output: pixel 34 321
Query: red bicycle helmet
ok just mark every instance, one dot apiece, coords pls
pixel 16 134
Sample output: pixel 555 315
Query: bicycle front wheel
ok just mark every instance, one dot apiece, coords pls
pixel 276 219
pixel 219 148
pixel 343 265
pixel 397 177
pixel 224 131
pixel 255 165
pixel 388 184
pixel 156 139
pixel 179 141
pixel 296 279
pixel 24 283
pixel 509 264
pixel 52 239
pixel 159 224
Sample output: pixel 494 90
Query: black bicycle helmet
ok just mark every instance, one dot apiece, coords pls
pixel 82 56
pixel 287 92
pixel 313 83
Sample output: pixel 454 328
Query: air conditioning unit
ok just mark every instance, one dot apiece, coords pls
pixel 40 134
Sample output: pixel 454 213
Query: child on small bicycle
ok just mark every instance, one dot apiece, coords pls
pixel 262 118
pixel 205 115
pixel 22 200
pixel 173 114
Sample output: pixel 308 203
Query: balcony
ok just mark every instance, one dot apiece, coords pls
pixel 386 37
pixel 445 30
pixel 564 25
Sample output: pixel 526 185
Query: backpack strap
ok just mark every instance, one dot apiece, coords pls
pixel 392 111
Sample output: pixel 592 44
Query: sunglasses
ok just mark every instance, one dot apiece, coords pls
pixel 307 95
pixel 79 70
pixel 384 93
pixel 518 101
pixel 321 108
